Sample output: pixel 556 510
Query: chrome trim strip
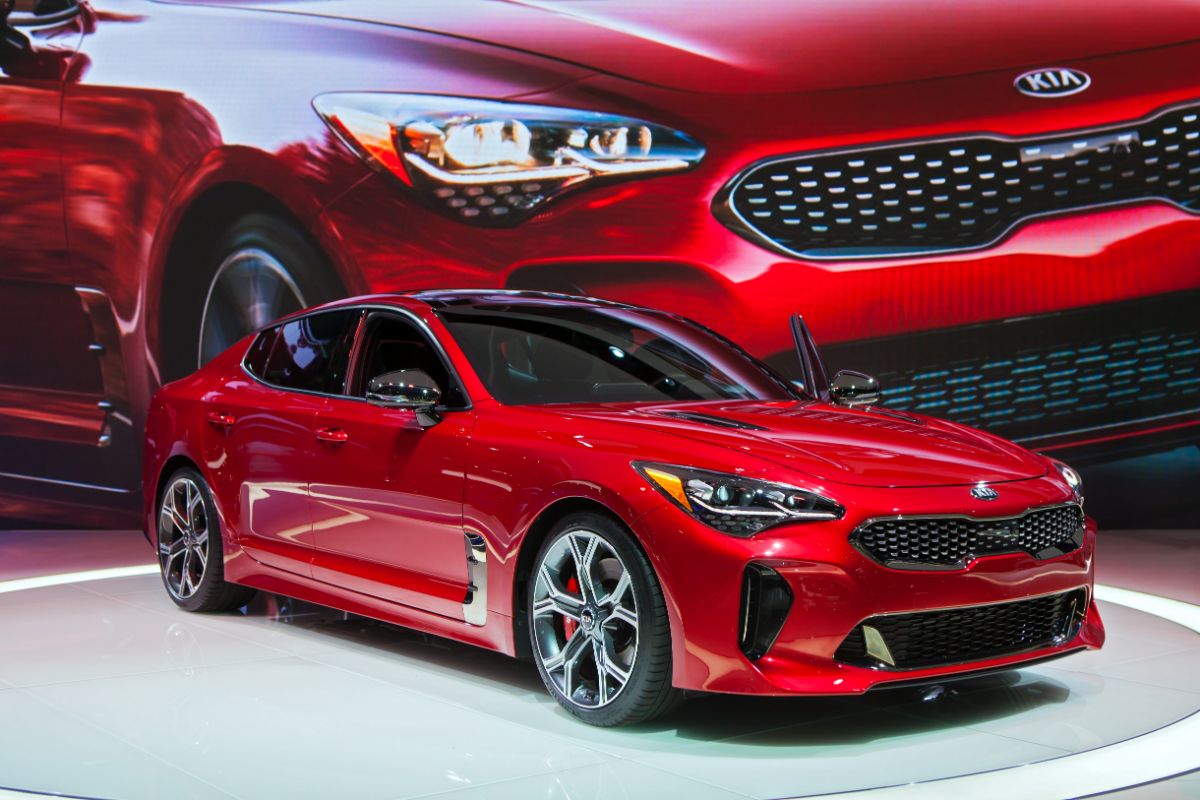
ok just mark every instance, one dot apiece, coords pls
pixel 72 484
pixel 475 604
pixel 723 210
pixel 919 566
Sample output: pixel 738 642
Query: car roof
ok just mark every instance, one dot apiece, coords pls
pixel 460 298
pixel 441 298
pixel 471 298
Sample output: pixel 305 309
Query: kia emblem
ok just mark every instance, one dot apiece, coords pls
pixel 1052 82
pixel 984 492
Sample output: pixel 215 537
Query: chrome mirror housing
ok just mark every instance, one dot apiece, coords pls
pixel 409 389
pixel 849 388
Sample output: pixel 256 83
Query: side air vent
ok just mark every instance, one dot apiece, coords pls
pixel 766 600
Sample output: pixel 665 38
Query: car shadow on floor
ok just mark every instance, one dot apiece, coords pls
pixel 751 721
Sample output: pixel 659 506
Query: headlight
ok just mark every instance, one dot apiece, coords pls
pixel 494 163
pixel 1071 477
pixel 733 504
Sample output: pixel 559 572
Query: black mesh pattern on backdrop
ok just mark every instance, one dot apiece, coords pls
pixel 1043 375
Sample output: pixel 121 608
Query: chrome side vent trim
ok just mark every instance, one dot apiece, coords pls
pixel 475 604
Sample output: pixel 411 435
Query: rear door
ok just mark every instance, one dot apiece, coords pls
pixel 261 433
pixel 386 492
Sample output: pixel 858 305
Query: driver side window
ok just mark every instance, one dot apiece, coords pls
pixel 392 343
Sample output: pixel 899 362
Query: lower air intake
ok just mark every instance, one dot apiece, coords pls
pixel 961 635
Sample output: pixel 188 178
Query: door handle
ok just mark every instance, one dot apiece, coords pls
pixel 221 420
pixel 335 435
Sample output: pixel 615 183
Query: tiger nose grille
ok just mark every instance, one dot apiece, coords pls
pixel 959 194
pixel 960 635
pixel 949 542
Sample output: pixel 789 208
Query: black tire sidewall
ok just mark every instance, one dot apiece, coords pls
pixel 650 630
pixel 209 593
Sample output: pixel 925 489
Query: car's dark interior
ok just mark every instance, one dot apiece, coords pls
pixel 543 359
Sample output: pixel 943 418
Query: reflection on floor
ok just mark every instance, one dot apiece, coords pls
pixel 107 690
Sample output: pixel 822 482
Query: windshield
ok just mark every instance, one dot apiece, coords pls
pixel 533 354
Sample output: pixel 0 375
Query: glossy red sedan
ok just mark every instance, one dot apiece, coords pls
pixel 992 206
pixel 620 494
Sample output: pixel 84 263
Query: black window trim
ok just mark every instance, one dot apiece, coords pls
pixel 363 310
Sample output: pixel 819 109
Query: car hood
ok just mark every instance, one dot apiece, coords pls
pixel 869 447
pixel 770 46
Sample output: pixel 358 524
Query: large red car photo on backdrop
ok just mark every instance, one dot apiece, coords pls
pixel 825 267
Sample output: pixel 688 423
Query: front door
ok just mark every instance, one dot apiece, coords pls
pixel 386 492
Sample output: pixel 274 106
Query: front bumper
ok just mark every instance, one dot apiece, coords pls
pixel 835 587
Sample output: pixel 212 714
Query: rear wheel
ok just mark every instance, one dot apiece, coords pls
pixel 598 624
pixel 190 549
pixel 261 267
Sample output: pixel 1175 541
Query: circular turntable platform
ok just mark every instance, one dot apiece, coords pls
pixel 108 691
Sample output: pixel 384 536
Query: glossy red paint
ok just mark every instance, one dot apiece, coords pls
pixel 389 506
pixel 132 131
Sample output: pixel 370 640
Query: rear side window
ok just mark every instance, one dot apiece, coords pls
pixel 260 350
pixel 311 353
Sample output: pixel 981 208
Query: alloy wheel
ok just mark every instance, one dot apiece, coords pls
pixel 585 619
pixel 183 540
pixel 249 289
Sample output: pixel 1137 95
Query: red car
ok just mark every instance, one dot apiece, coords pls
pixel 620 494
pixel 990 205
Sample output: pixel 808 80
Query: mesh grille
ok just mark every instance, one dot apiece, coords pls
pixel 951 541
pixel 1038 376
pixel 963 193
pixel 959 635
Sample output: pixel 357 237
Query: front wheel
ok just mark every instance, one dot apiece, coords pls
pixel 598 622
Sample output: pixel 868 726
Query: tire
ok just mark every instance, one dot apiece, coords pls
pixel 257 269
pixel 572 629
pixel 190 544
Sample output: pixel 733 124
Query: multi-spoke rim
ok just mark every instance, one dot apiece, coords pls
pixel 585 618
pixel 249 289
pixel 183 540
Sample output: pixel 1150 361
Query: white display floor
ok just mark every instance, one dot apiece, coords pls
pixel 108 691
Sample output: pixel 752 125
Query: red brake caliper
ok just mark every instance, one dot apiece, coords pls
pixel 569 625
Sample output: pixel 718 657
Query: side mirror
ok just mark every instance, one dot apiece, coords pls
pixel 849 388
pixel 407 388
